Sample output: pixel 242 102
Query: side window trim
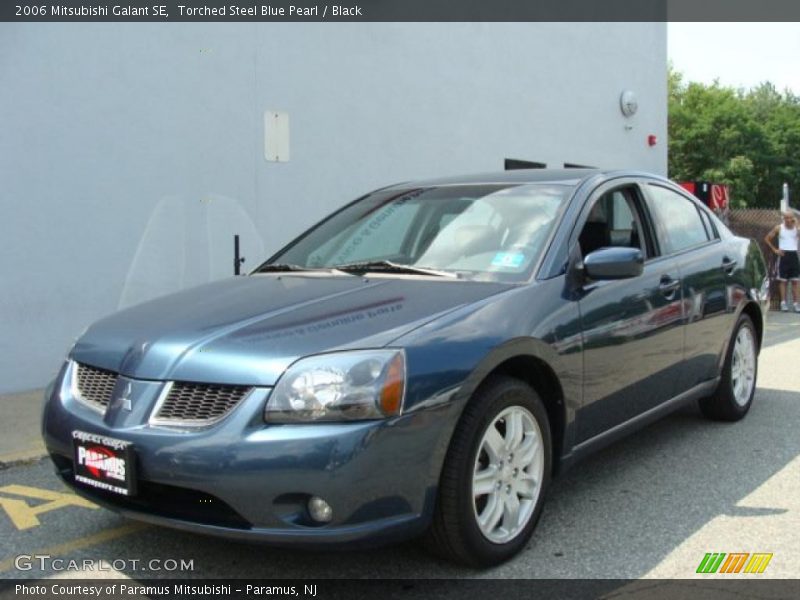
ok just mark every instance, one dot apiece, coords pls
pixel 653 246
pixel 705 223
pixel 713 234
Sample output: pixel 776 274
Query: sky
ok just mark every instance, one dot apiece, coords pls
pixel 738 54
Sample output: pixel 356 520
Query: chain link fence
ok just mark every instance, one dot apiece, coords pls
pixel 756 223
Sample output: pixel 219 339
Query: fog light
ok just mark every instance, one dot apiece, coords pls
pixel 320 510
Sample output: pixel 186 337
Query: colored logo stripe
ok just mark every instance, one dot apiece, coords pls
pixel 758 562
pixel 713 562
pixel 734 562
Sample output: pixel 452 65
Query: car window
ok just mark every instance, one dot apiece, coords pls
pixel 678 218
pixel 613 221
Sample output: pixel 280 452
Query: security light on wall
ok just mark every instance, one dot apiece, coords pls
pixel 276 136
pixel 628 103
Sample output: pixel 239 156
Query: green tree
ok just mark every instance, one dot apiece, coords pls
pixel 749 140
pixel 740 178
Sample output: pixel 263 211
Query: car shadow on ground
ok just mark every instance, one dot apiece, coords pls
pixel 781 327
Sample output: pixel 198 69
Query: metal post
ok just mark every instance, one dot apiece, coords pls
pixel 785 198
pixel 237 261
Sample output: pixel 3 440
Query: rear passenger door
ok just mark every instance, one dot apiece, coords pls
pixel 686 232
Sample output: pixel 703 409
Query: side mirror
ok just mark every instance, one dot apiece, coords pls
pixel 614 263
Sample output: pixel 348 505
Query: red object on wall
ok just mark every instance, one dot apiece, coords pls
pixel 713 195
pixel 652 140
pixel 719 196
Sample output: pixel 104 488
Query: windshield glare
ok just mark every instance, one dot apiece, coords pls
pixel 490 232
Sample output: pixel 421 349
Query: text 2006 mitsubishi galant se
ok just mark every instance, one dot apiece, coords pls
pixel 420 362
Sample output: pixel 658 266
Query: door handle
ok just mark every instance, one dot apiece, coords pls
pixel 668 286
pixel 728 265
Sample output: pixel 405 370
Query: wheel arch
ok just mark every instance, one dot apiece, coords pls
pixel 753 310
pixel 534 362
pixel 541 377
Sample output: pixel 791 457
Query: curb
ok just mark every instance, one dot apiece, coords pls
pixel 23 457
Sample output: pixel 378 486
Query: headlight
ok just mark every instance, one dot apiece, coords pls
pixel 341 386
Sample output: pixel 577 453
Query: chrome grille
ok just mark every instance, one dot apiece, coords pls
pixel 198 403
pixel 94 386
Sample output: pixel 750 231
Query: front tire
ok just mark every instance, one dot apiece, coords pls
pixel 734 396
pixel 495 475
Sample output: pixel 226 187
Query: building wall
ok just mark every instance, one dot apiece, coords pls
pixel 131 153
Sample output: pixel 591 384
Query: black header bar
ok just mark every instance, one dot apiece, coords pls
pixel 398 10
pixel 721 588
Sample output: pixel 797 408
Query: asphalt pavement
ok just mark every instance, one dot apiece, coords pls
pixel 650 506
pixel 20 439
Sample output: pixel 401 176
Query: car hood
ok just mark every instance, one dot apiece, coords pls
pixel 248 330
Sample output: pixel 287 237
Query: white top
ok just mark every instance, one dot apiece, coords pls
pixel 787 238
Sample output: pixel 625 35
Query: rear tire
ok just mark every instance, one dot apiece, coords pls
pixel 495 476
pixel 734 395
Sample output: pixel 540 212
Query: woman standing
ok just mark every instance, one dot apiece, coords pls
pixel 788 263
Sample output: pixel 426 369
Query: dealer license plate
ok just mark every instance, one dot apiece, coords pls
pixel 104 463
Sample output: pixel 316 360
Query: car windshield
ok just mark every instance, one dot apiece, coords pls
pixel 486 232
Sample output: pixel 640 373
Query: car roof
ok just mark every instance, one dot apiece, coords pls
pixel 562 176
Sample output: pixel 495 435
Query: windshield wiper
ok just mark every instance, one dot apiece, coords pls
pixel 387 266
pixel 283 267
pixel 276 267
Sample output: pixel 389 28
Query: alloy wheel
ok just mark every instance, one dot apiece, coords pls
pixel 743 367
pixel 508 473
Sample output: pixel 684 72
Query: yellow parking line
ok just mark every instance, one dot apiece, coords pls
pixel 79 543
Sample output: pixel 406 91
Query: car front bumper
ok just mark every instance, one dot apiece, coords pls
pixel 245 479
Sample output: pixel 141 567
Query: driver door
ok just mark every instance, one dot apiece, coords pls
pixel 632 328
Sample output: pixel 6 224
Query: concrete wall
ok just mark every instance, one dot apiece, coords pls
pixel 130 153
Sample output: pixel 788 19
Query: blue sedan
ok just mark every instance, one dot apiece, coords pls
pixel 421 362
